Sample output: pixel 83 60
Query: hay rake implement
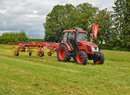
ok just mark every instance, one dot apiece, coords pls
pixel 41 47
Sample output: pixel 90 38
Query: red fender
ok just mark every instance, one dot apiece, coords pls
pixel 67 45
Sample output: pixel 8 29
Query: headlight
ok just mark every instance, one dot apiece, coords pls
pixel 95 49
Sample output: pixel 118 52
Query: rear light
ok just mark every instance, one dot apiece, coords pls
pixel 89 48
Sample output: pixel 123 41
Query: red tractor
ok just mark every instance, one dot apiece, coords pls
pixel 76 46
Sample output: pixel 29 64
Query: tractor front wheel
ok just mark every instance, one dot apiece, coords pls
pixel 81 57
pixel 99 58
pixel 63 54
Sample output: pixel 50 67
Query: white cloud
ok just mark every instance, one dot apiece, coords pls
pixel 3 11
pixel 33 15
pixel 29 15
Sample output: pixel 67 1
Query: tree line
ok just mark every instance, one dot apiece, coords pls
pixel 15 37
pixel 114 32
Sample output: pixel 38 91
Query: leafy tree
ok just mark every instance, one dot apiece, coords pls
pixel 83 16
pixel 66 17
pixel 104 19
pixel 128 20
pixel 86 13
pixel 122 23
pixel 57 21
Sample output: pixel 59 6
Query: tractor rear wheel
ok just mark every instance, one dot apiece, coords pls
pixel 81 57
pixel 99 58
pixel 63 54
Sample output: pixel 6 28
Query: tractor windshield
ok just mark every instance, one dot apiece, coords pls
pixel 81 37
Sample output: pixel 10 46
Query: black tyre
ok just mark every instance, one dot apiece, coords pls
pixel 99 58
pixel 63 54
pixel 81 57
pixel 40 53
pixel 16 53
pixel 74 58
pixel 30 53
pixel 49 53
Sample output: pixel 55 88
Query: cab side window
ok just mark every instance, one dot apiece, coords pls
pixel 65 37
pixel 71 36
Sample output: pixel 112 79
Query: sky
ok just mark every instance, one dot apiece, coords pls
pixel 29 15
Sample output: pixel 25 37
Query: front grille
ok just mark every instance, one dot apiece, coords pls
pixel 95 48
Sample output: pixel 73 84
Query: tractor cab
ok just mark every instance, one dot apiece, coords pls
pixel 75 45
pixel 73 37
pixel 76 35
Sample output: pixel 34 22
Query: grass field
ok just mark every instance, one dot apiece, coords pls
pixel 26 75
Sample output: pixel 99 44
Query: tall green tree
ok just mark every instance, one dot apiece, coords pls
pixel 122 22
pixel 58 20
pixel 67 17
pixel 86 13
pixel 83 16
pixel 128 20
pixel 104 19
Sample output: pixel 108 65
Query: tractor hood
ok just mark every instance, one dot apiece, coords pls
pixel 89 44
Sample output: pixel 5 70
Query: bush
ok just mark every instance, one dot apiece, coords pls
pixel 12 37
pixel 15 38
pixel 128 46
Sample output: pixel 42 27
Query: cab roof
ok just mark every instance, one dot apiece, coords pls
pixel 74 30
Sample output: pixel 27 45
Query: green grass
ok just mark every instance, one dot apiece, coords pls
pixel 24 75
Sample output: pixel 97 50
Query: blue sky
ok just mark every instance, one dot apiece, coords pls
pixel 29 15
